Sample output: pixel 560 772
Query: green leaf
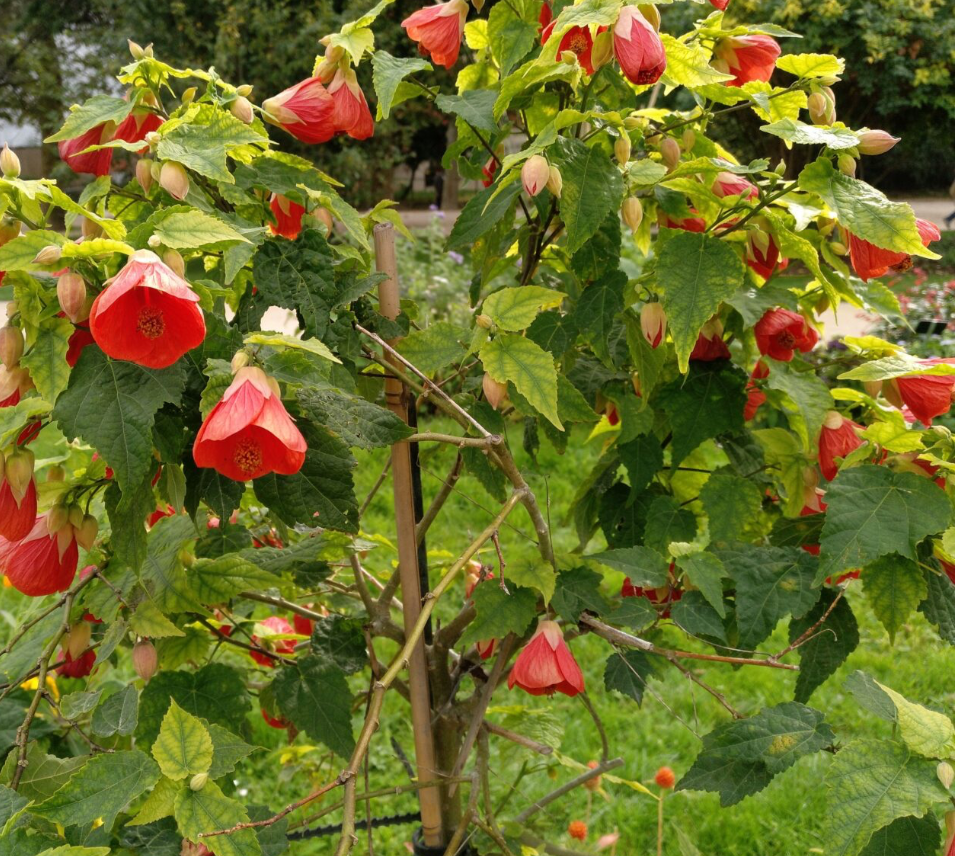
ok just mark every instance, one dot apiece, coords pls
pixel 870 783
pixel 18 254
pixel 939 607
pixel 76 850
pixel 435 348
pixel 708 402
pixel 118 714
pixel 826 650
pixel 388 72
pixel 926 732
pixel 148 620
pixel 315 697
pixel 553 332
pixel 809 400
pixel 500 612
pixel 895 587
pixel 203 148
pixel 481 214
pixel 127 514
pixel 95 111
pixel 906 836
pixel 627 672
pixel 705 571
pixel 508 357
pixel 191 229
pixel 645 567
pixel 811 65
pixel 731 503
pixel 597 310
pixel 533 573
pixel 102 788
pixel 694 614
pixel 356 421
pixel 771 583
pixel 217 580
pixel 578 590
pixel 794 131
pixel 740 758
pixel 643 458
pixel 280 340
pixel 514 309
pixel 112 405
pixel 689 64
pixel 227 750
pixel 511 39
pixel 475 106
pixel 323 485
pixel 870 695
pixel 896 365
pixel 183 747
pixel 163 575
pixel 864 211
pixel 668 521
pixel 696 272
pixel 592 189
pixel 46 359
pixel 340 640
pixel 160 803
pixel 10 803
pixel 874 511
pixel 44 774
pixel 207 810
pixel 74 705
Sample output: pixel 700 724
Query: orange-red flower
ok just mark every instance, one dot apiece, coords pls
pixel 277 625
pixel 17 495
pixel 755 397
pixel 545 665
pixel 249 433
pixel 288 216
pixel 638 48
pixel 729 184
pixel 305 110
pixel 578 41
pixel 79 339
pixel 438 30
pixel 653 323
pixel 78 668
pixel 837 439
pixel 95 163
pixel 274 721
pixel 870 261
pixel 780 332
pixel 746 58
pixel 148 314
pixel 577 829
pixel 136 125
pixel 926 396
pixel 693 223
pixel 762 252
pixel 709 344
pixel 13 383
pixel 488 171
pixel 476 575
pixel 43 562
pixel 351 115
pixel 665 778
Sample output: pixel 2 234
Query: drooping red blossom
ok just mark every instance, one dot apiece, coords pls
pixel 42 563
pixel 762 253
pixel 720 4
pixel 869 261
pixel 709 344
pixel 30 433
pixel 488 171
pixel 288 216
pixel 275 721
pixel 159 514
pixel 815 505
pixel 304 110
pixel 13 383
pixel 638 48
pixel 352 115
pixel 476 575
pixel 148 314
pixel 755 397
pixel 926 468
pixel 136 125
pixel 578 41
pixel 545 16
pixel 438 30
pixel 303 626
pixel 926 396
pixel 664 596
pixel 653 323
pixel 729 184
pixel 249 433
pixel 94 163
pixel 837 439
pixel 747 58
pixel 79 339
pixel 81 667
pixel 17 496
pixel 693 223
pixel 276 624
pixel 781 332
pixel 545 665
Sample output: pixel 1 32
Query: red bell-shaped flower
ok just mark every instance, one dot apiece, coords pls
pixel 729 184
pixel 762 252
pixel 870 261
pixel 305 110
pixel 837 439
pixel 79 339
pixel 17 496
pixel 746 58
pixel 352 115
pixel 638 48
pixel 926 396
pixel 545 665
pixel 81 667
pixel 578 41
pixel 438 30
pixel 148 314
pixel 288 216
pixel 709 344
pixel 278 625
pixel 693 223
pixel 95 163
pixel 781 332
pixel 755 397
pixel 249 433
pixel 136 125
pixel 44 562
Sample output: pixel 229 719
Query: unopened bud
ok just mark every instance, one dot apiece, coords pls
pixel 11 346
pixel 568 57
pixel 146 662
pixel 86 531
pixel 535 174
pixel 833 420
pixel 198 781
pixel 670 150
pixel 594 783
pixel 555 181
pixel 632 212
pixel 945 773
pixel 847 165
pixel 13 307
pixel 622 148
pixel 57 518
pixel 241 108
pixel 148 50
pixel 144 174
pixel 631 123
pixel 135 49
pixel 873 387
pixel 174 260
pixel 49 255
pixel 240 360
pixel 190 94
pixel 494 391
pixel 652 14
pixel 876 142
pixel 90 229
pixel 78 639
pixel 174 180
pixel 18 471
pixel 602 51
pixel 484 321
pixel 9 162
pixel 324 216
pixel 689 139
pixel 822 107
pixel 154 242
pixel 9 230
pixel 838 248
pixel 653 322
pixel 71 293
pixel 245 90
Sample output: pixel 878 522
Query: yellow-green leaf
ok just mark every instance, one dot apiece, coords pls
pixel 184 745
pixel 513 358
pixel 514 308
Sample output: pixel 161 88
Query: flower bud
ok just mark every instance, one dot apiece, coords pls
pixel 9 163
pixel 535 174
pixel 632 212
pixel 144 174
pixel 602 51
pixel 13 307
pixel 652 14
pixel 594 783
pixel 245 90
pixel 670 150
pixel 945 773
pixel 847 164
pixel 873 387
pixel 240 360
pixel 689 139
pixel 148 50
pixel 838 248
pixel 484 321
pixel 494 391
pixel 189 96
pixel 135 50
pixel 653 322
pixel 8 230
pixel 876 142
pixel 154 242
pixel 325 71
pixel 323 215
pixel 198 781
pixel 71 293
pixel 57 518
pixel 822 107
pixel 173 259
pixel 833 420
pixel 174 180
pixel 18 470
pixel 555 181
pixel 55 474
pixel 78 639
pixel 11 346
pixel 49 255
pixel 90 229
pixel 146 662
pixel 86 531
pixel 568 57
pixel 241 108
pixel 622 148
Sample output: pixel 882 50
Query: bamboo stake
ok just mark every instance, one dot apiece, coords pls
pixel 418 685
